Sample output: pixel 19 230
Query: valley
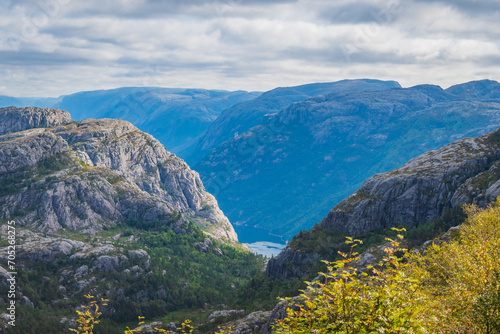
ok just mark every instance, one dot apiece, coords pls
pixel 104 208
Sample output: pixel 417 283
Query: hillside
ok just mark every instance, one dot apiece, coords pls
pixel 101 207
pixel 284 175
pixel 425 196
pixel 245 115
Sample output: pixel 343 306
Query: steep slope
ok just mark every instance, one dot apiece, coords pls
pixel 175 116
pixel 285 174
pixel 243 116
pixel 101 207
pixel 420 192
pixel 76 148
pixel 417 192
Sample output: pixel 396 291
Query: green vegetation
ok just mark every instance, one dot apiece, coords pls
pixel 188 277
pixel 184 276
pixel 494 138
pixel 261 291
pixel 453 287
pixel 89 316
pixel 11 182
pixel 381 300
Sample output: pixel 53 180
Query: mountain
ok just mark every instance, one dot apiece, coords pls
pixel 101 207
pixel 176 117
pixel 106 149
pixel 6 101
pixel 422 194
pixel 42 102
pixel 285 174
pixel 245 115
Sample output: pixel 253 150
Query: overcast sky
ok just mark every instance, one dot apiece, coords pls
pixel 56 47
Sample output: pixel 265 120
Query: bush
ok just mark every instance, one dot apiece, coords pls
pixel 379 300
pixel 453 287
pixel 464 275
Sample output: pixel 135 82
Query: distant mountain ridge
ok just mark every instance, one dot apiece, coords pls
pixel 41 102
pixel 243 116
pixel 175 116
pixel 315 152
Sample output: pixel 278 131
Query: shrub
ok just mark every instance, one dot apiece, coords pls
pixel 379 300
pixel 453 287
pixel 464 274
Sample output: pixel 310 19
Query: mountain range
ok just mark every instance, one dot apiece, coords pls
pixel 286 173
pixel 175 116
pixel 278 161
pixel 245 115
pixel 425 196
pixel 102 207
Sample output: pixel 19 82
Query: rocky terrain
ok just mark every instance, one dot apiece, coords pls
pixel 17 119
pixel 465 171
pixel 95 173
pixel 314 153
pixel 102 207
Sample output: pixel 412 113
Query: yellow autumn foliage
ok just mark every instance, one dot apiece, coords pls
pixel 452 287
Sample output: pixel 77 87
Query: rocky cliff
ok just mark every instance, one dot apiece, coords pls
pixel 419 191
pixel 102 208
pixel 93 174
pixel 465 171
pixel 13 119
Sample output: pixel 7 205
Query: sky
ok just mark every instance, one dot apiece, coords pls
pixel 50 48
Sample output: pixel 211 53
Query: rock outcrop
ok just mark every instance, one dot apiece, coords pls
pixel 15 119
pixel 94 174
pixel 418 192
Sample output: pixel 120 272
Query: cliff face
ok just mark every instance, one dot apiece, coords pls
pixel 14 119
pixel 418 192
pixel 465 171
pixel 92 174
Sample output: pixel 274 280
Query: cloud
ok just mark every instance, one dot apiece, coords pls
pixel 54 47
